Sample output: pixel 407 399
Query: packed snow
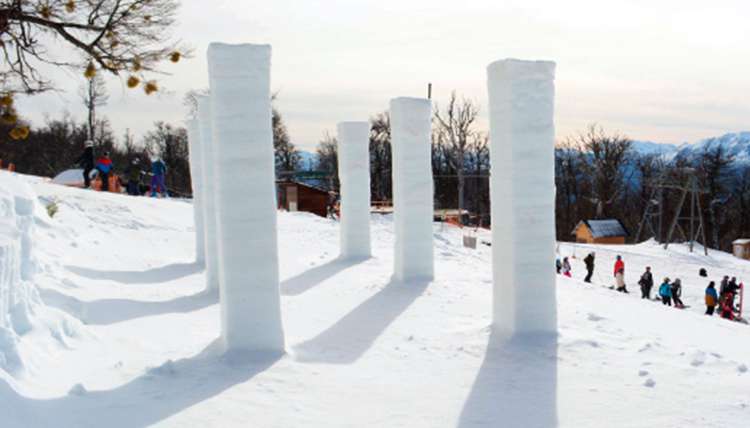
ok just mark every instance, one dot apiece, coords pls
pixel 354 176
pixel 125 336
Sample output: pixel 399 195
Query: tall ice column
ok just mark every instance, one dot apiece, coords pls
pixel 522 131
pixel 196 179
pixel 412 188
pixel 240 83
pixel 211 228
pixel 354 175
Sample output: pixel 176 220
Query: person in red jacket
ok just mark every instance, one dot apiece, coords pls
pixel 104 167
pixel 620 275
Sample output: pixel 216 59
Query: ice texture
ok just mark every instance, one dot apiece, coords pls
pixel 412 188
pixel 196 179
pixel 210 226
pixel 240 85
pixel 354 175
pixel 522 185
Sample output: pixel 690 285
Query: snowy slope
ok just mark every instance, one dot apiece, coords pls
pixel 362 351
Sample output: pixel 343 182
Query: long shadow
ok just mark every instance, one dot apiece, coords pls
pixel 348 339
pixel 516 385
pixel 150 276
pixel 110 311
pixel 308 279
pixel 156 395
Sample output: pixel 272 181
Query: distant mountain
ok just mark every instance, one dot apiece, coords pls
pixel 736 144
pixel 307 160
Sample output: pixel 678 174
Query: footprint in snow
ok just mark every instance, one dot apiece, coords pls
pixel 698 359
pixel 594 317
pixel 649 383
pixel 742 368
pixel 642 373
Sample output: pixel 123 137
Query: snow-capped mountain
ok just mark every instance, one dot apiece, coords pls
pixel 736 145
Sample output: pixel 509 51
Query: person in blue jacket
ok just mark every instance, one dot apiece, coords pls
pixel 159 170
pixel 665 292
pixel 712 298
pixel 104 167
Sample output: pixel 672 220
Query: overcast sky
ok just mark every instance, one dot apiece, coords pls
pixel 667 70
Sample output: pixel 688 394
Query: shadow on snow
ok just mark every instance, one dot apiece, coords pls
pixel 154 396
pixel 149 276
pixel 516 385
pixel 351 336
pixel 308 279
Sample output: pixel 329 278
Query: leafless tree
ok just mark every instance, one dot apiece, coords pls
pixel 93 94
pixel 456 126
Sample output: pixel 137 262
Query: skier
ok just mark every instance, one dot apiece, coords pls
pixel 104 166
pixel 711 298
pixel 646 282
pixel 620 275
pixel 676 291
pixel 134 172
pixel 589 260
pixel 665 292
pixel 566 267
pixel 86 161
pixel 558 265
pixel 158 169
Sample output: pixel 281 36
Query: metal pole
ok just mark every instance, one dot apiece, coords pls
pixel 429 91
pixel 692 212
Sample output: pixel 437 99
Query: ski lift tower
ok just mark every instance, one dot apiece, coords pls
pixel 654 213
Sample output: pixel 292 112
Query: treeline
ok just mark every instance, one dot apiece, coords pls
pixel 54 147
pixel 600 175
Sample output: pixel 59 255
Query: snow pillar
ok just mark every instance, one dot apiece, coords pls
pixel 196 179
pixel 240 83
pixel 210 225
pixel 521 101
pixel 412 188
pixel 354 175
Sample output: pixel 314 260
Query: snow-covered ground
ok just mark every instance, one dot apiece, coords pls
pixel 363 351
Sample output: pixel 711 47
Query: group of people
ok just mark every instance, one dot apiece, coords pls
pixel 134 172
pixel 670 291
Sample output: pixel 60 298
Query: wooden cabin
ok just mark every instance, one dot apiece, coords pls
pixel 296 196
pixel 741 248
pixel 605 231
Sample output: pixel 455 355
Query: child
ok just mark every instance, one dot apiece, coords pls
pixel 711 298
pixel 665 292
pixel 676 291
pixel 558 265
pixel 566 267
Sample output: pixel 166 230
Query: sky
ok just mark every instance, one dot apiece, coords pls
pixel 668 71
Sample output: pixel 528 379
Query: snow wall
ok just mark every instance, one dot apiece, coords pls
pixel 522 186
pixel 240 84
pixel 210 225
pixel 354 175
pixel 196 178
pixel 412 188
pixel 17 265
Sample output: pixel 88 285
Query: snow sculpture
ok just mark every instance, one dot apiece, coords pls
pixel 240 84
pixel 521 107
pixel 354 175
pixel 196 176
pixel 210 226
pixel 412 188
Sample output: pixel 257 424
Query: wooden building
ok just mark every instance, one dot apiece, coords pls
pixel 606 231
pixel 296 196
pixel 741 248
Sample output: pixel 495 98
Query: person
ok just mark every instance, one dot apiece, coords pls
pixel 620 275
pixel 133 173
pixel 676 292
pixel 589 261
pixel 104 166
pixel 566 267
pixel 723 286
pixel 646 282
pixel 732 286
pixel 558 265
pixel 159 170
pixel 702 272
pixel 711 298
pixel 727 305
pixel 665 292
pixel 86 161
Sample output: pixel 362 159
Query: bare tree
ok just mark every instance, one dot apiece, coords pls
pixel 714 165
pixel 380 157
pixel 328 158
pixel 456 125
pixel 93 94
pixel 285 153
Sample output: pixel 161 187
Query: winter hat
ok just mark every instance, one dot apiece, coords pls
pixel 88 143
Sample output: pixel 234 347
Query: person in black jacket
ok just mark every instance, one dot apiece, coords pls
pixel 676 287
pixel 86 161
pixel 646 282
pixel 589 260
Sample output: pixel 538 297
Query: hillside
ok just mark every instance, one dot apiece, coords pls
pixel 362 350
pixel 735 144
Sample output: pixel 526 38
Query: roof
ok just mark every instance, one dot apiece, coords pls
pixel 743 241
pixel 318 187
pixel 605 228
